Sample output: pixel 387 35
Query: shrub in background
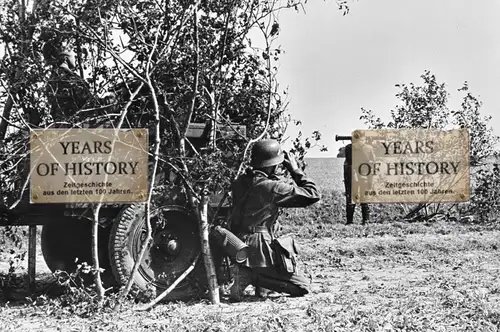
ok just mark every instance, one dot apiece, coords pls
pixel 426 106
pixel 485 200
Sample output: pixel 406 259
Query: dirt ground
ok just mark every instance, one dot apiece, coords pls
pixel 361 281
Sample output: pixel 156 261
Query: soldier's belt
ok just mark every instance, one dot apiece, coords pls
pixel 256 229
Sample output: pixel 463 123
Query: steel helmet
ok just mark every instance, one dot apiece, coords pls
pixel 265 153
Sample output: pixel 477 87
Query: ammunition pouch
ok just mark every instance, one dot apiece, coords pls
pixel 285 255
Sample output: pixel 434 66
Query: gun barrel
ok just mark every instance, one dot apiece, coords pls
pixel 342 138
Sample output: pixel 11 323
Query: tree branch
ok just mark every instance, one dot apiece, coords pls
pixel 269 106
pixel 171 287
pixel 196 74
pixel 156 154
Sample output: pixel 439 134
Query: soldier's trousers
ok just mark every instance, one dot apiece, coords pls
pixel 293 284
pixel 350 207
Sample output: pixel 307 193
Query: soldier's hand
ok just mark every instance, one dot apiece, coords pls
pixel 290 161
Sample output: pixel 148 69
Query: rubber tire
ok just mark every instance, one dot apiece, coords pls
pixel 68 242
pixel 123 250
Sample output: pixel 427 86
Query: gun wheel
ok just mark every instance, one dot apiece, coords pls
pixel 174 246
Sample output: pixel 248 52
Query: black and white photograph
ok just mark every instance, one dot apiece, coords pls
pixel 249 165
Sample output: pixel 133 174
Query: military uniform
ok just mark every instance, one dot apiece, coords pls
pixel 350 207
pixel 257 197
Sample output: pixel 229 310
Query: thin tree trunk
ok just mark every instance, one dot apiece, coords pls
pixel 269 107
pixel 95 255
pixel 5 117
pixel 157 142
pixel 196 74
pixel 213 287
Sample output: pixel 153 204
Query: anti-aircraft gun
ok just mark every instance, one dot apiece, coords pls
pixel 66 234
pixel 342 138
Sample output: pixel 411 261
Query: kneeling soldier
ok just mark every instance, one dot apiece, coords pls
pixel 257 196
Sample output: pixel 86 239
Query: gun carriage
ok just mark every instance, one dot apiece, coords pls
pixel 66 235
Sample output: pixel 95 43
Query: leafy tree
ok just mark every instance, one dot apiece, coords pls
pixel 426 106
pixel 422 106
pixel 483 142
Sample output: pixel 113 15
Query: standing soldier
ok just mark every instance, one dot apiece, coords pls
pixel 67 92
pixel 361 181
pixel 257 196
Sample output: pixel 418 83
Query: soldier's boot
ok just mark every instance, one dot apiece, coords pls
pixel 261 288
pixel 243 277
pixel 261 291
pixel 349 213
pixel 296 285
pixel 365 213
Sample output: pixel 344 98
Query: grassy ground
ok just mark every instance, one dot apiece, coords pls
pixel 385 276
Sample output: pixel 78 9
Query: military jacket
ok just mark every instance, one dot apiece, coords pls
pixel 257 198
pixel 365 152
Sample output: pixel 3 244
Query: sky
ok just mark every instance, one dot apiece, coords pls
pixel 334 65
